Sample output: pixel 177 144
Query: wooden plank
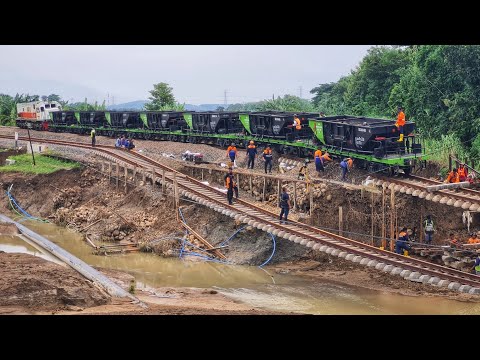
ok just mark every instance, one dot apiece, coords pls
pixel 340 221
pixel 294 195
pixel 163 182
pixel 203 241
pixel 372 220
pixel 264 185
pixel 118 175
pixel 384 230
pixel 392 218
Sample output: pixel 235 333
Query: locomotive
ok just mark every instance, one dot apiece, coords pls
pixel 372 142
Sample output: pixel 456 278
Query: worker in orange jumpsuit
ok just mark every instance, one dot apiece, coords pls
pixel 232 153
pixel 318 160
pixel 326 157
pixel 462 173
pixel 453 177
pixel 400 122
pixel 297 123
pixel 473 239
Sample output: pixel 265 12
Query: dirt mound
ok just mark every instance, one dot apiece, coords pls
pixel 31 282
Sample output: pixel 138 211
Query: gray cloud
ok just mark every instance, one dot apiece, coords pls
pixel 198 74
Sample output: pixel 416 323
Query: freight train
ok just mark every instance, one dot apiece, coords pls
pixel 372 142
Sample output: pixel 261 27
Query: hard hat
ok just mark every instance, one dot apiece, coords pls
pixel 251 141
pixel 233 144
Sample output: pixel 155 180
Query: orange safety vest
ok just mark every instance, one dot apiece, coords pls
pixel 453 178
pixel 400 119
pixel 318 153
pixel 350 163
pixel 234 148
pixel 297 123
pixel 326 158
pixel 473 241
pixel 227 181
pixel 462 172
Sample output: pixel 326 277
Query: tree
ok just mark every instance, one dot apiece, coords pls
pixel 54 97
pixel 44 98
pixel 8 106
pixel 220 108
pixel 162 95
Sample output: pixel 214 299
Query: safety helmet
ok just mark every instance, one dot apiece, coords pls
pixel 233 144
pixel 251 142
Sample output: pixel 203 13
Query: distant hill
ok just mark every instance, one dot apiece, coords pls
pixel 138 105
pixel 204 107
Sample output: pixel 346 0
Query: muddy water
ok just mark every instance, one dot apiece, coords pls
pixel 250 285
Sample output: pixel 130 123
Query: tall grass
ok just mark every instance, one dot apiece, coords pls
pixel 439 150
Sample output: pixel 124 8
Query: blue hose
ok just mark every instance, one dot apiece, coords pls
pixel 273 252
pixel 231 237
pixel 27 215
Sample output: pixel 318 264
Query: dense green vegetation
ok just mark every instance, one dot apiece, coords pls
pixel 43 164
pixel 438 85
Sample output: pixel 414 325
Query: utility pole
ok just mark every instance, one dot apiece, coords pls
pixel 30 140
pixel 273 97
pixel 225 98
pixel 108 99
pixel 300 91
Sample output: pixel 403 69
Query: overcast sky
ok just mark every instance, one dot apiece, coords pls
pixel 199 74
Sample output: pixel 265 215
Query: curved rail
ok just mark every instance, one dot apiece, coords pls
pixel 267 220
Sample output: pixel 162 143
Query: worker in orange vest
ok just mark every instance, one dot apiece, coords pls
pixel 453 177
pixel 231 186
pixel 462 173
pixel 318 160
pixel 296 122
pixel 400 122
pixel 251 152
pixel 232 152
pixel 326 157
pixel 268 157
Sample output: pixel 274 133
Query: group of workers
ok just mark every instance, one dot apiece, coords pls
pixel 458 175
pixel 121 142
pixel 252 153
pixel 124 143
pixel 320 160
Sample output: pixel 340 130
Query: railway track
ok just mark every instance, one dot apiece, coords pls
pixel 467 199
pixel 309 236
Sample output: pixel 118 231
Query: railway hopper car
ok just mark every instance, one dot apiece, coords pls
pixel 374 142
pixel 279 125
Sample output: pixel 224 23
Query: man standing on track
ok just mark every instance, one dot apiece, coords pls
pixel 92 135
pixel 285 205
